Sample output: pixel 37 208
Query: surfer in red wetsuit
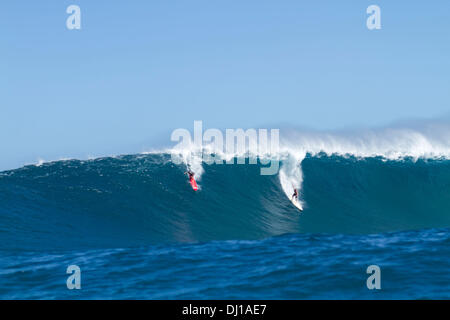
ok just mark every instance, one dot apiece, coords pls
pixel 192 180
pixel 295 195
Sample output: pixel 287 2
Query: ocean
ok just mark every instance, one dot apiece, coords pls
pixel 136 229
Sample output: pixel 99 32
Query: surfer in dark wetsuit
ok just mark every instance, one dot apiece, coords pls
pixel 190 174
pixel 295 195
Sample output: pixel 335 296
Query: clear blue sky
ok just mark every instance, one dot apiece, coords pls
pixel 138 69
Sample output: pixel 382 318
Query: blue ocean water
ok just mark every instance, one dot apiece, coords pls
pixel 138 231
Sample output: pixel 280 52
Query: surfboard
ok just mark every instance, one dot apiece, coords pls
pixel 297 204
pixel 193 184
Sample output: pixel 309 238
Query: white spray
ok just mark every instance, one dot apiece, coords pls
pixel 291 175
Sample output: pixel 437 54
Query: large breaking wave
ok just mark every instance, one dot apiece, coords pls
pixel 366 182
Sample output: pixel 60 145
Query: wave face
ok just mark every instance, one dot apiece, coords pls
pixel 138 200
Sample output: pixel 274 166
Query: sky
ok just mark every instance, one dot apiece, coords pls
pixel 136 70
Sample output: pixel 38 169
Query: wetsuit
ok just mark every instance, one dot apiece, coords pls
pixel 190 174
